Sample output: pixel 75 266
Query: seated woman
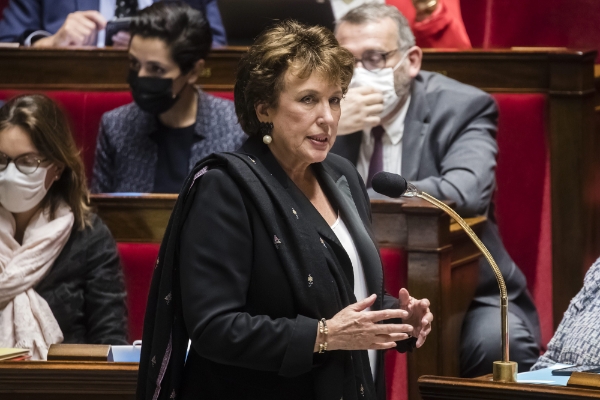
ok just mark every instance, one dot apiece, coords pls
pixel 151 144
pixel 60 276
pixel 577 339
pixel 281 288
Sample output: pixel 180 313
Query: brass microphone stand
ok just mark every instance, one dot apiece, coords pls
pixel 505 370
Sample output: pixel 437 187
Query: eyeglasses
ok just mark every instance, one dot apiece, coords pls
pixel 25 163
pixel 373 60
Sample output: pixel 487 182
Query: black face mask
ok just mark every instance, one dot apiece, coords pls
pixel 153 95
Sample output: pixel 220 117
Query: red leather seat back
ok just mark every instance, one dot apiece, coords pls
pixel 523 195
pixel 138 261
pixel 84 110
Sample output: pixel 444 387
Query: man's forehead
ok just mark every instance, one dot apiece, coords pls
pixel 371 35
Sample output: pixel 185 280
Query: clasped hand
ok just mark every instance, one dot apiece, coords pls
pixel 355 329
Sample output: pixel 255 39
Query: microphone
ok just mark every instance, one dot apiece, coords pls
pixel 393 185
pixel 388 184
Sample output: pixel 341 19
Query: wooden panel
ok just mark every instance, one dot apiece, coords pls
pixel 137 218
pixel 444 388
pixel 61 380
pixel 96 69
pixel 505 70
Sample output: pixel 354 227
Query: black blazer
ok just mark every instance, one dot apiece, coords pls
pixel 85 288
pixel 249 340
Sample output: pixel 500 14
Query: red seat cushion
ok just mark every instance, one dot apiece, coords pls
pixel 138 260
pixel 523 195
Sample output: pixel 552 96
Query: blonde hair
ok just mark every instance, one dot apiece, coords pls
pixel 49 131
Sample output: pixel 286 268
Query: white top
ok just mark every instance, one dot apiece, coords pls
pixel 341 7
pixel 107 9
pixel 392 145
pixel 360 284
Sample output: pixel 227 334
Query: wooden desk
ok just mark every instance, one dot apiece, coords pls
pixel 444 388
pixel 60 380
pixel 443 263
pixel 565 76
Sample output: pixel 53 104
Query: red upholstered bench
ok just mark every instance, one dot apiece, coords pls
pixel 85 109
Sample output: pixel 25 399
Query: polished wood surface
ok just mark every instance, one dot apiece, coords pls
pixel 62 380
pixel 445 388
pixel 96 69
pixel 503 70
pixel 137 217
pixel 443 263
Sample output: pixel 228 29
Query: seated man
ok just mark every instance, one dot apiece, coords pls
pixel 440 135
pixel 62 23
pixel 150 145
pixel 436 23
pixel 577 339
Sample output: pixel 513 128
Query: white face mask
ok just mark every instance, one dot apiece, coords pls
pixel 382 80
pixel 20 192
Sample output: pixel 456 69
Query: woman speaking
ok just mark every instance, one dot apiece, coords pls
pixel 268 265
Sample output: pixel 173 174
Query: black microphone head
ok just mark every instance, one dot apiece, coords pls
pixel 388 184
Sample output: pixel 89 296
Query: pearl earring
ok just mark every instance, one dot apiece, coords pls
pixel 265 129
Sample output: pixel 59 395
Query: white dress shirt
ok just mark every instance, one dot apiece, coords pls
pixel 341 7
pixel 392 145
pixel 360 282
pixel 107 9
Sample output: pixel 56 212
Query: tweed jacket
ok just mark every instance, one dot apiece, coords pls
pixel 126 154
pixel 577 339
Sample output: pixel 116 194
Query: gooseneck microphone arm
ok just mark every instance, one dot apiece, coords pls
pixel 393 185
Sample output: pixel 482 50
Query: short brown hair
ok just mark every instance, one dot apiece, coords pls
pixel 49 130
pixel 260 77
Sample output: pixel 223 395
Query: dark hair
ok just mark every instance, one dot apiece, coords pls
pixel 308 49
pixel 183 28
pixel 49 131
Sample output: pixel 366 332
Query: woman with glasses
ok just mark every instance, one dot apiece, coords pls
pixel 60 276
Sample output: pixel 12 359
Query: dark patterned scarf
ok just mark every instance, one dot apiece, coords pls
pixel 342 374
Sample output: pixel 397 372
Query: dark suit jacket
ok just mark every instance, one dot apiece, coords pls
pixel 85 288
pixel 249 341
pixel 449 151
pixel 126 154
pixel 23 17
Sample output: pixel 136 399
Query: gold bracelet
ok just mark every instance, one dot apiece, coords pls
pixel 322 348
pixel 323 329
